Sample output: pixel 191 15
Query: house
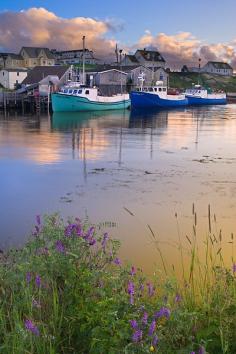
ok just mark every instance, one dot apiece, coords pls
pixel 219 68
pixel 110 81
pixel 74 56
pixel 11 78
pixel 28 57
pixel 151 75
pixel 147 58
pixel 47 78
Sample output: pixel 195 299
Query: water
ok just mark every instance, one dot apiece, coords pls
pixel 111 164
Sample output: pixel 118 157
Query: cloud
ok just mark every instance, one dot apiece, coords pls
pixel 40 27
pixel 184 48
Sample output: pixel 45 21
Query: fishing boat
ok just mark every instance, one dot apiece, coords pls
pixel 82 98
pixel 199 95
pixel 76 97
pixel 155 96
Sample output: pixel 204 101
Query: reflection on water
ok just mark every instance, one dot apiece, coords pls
pixel 100 164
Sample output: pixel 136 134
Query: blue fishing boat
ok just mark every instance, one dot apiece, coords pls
pixel 201 96
pixel 74 99
pixel 156 97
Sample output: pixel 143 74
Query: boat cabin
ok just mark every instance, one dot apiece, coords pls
pixel 153 89
pixel 80 91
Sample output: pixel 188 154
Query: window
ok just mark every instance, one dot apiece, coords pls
pixel 86 92
pixel 75 92
pixel 18 74
pixel 160 89
pixel 79 91
pixel 70 91
pixel 164 89
pixel 65 91
pixel 155 89
pixel 150 89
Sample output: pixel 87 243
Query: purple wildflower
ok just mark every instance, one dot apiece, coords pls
pixel 117 261
pixel 38 281
pixel 192 353
pixel 68 231
pixel 92 241
pixel 145 318
pixel 134 324
pixel 37 231
pixel 152 328
pixel 163 312
pixel 178 298
pixel 133 271
pixel 155 340
pixel 60 246
pixel 79 231
pixel 131 292
pixel 28 277
pixel 137 336
pixel 141 288
pixel 234 268
pixel 38 220
pixel 31 327
pixel 89 233
pixel 150 289
pixel 201 350
pixel 104 241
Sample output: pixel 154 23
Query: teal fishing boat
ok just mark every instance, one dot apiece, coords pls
pixel 74 99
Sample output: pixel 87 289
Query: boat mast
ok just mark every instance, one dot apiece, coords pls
pixel 83 77
pixel 199 69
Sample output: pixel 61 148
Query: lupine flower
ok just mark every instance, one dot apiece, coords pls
pixel 137 336
pixel 201 350
pixel 178 298
pixel 141 288
pixel 150 289
pixel 131 292
pixel 68 231
pixel 89 233
pixel 134 324
pixel 234 268
pixel 104 241
pixel 155 340
pixel 163 312
pixel 152 328
pixel 92 241
pixel 28 277
pixel 192 353
pixel 38 281
pixel 145 318
pixel 37 231
pixel 117 261
pixel 79 231
pixel 133 271
pixel 31 327
pixel 38 220
pixel 60 246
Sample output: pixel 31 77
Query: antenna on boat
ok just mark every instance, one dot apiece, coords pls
pixel 121 85
pixel 199 69
pixel 83 77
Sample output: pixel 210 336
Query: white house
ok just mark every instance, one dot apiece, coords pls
pixel 145 57
pixel 215 67
pixel 75 56
pixel 10 78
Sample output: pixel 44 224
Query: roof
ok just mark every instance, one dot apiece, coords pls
pixel 132 58
pixel 15 70
pixel 39 72
pixel 150 55
pixel 220 65
pixel 71 51
pixel 15 56
pixel 33 52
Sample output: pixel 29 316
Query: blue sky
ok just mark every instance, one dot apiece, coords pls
pixel 212 21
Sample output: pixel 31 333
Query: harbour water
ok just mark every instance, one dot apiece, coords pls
pixel 125 170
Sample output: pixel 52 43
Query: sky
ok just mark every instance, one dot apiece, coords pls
pixel 182 30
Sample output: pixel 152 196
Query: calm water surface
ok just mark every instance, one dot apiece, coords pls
pixel 101 164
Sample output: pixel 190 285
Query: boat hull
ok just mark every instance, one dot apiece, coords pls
pixel 69 103
pixel 206 101
pixel 145 99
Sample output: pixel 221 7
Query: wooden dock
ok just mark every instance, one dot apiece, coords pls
pixel 23 102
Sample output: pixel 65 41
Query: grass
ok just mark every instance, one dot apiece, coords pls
pixel 183 81
pixel 67 292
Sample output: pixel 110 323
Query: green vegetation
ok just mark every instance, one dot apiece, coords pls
pixel 67 292
pixel 181 80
